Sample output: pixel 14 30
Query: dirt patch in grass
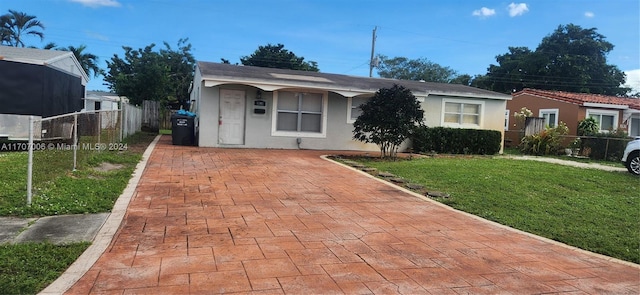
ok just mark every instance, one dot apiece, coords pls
pixel 106 167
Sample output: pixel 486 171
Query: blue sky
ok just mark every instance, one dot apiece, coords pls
pixel 463 35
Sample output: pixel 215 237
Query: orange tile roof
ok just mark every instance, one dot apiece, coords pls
pixel 581 98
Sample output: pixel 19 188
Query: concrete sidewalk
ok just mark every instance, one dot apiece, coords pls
pixel 208 221
pixel 55 229
pixel 596 166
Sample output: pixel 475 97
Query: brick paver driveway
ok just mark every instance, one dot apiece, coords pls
pixel 206 221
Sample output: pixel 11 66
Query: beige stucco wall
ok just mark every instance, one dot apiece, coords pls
pixel 258 127
pixel 491 114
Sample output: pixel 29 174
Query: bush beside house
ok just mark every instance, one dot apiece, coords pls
pixel 456 141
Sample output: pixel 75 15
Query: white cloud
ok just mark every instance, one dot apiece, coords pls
pixel 633 80
pixel 589 14
pixel 517 9
pixel 484 12
pixel 98 3
pixel 97 36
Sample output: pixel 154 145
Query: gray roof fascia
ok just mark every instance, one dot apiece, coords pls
pixel 233 75
pixel 277 85
pixel 472 95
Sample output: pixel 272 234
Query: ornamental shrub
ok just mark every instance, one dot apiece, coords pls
pixel 388 119
pixel 547 142
pixel 456 141
pixel 587 127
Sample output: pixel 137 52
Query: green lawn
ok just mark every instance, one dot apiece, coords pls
pixel 594 210
pixel 58 190
pixel 28 268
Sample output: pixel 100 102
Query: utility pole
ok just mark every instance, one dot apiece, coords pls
pixel 372 63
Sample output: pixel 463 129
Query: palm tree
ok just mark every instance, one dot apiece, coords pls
pixel 88 61
pixel 17 24
pixel 5 23
pixel 50 46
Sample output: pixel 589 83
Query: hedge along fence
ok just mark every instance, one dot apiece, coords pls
pixel 456 141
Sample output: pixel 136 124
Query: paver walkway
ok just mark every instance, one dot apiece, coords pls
pixel 206 221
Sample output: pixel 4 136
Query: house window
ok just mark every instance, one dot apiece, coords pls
pixel 96 105
pixel 353 108
pixel 506 120
pixel 607 120
pixel 299 114
pixel 550 117
pixel 462 113
pixel 634 128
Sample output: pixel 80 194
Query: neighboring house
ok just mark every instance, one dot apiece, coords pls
pixel 37 82
pixel 104 102
pixel 100 100
pixel 254 107
pixel 40 82
pixel 610 112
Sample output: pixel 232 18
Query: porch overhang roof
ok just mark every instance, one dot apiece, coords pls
pixel 271 86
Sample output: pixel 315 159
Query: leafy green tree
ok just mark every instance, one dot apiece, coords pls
pixel 145 74
pixel 464 79
pixel 15 25
pixel 181 64
pixel 415 69
pixel 570 59
pixel 509 75
pixel 388 119
pixel 571 51
pixel 275 56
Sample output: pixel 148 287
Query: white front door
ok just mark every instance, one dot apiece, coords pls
pixel 231 120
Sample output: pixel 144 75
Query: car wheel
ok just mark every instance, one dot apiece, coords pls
pixel 633 163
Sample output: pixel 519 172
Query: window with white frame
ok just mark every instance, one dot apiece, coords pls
pixel 299 113
pixel 607 120
pixel 466 113
pixel 550 117
pixel 353 108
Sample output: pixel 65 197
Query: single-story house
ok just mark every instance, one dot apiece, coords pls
pixel 610 112
pixel 104 102
pixel 40 82
pixel 101 100
pixel 37 82
pixel 255 107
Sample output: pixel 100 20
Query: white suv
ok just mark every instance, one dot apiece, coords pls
pixel 631 157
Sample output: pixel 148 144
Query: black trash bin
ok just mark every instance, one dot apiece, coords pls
pixel 182 130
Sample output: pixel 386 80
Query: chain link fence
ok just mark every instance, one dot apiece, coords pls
pixel 599 147
pixel 61 144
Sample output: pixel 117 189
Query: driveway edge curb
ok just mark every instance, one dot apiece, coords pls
pixel 601 256
pixel 106 233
